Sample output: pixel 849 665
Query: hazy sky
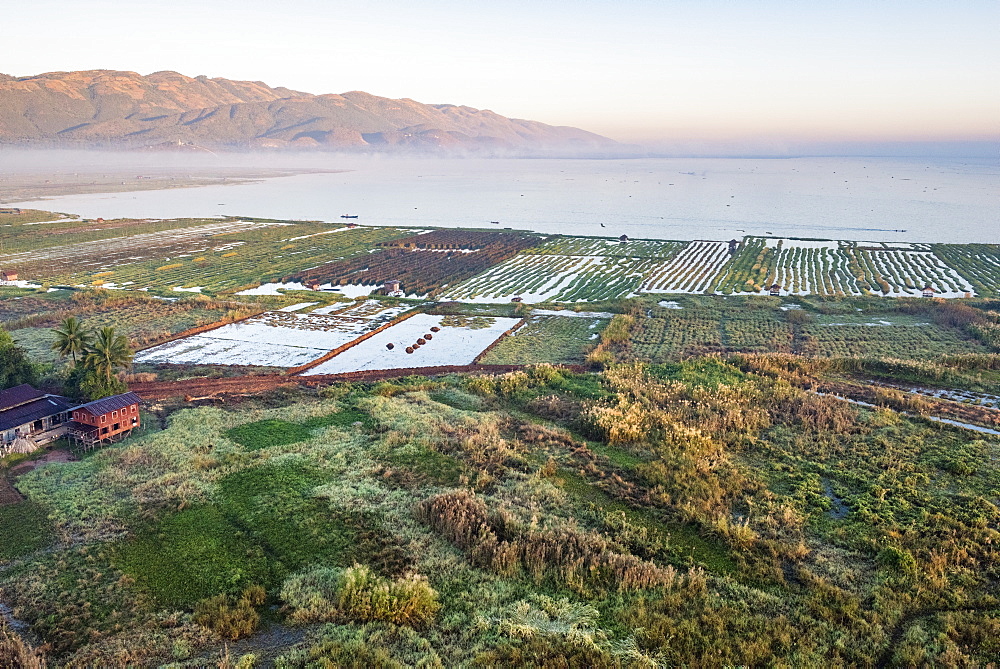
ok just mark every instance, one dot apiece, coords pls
pixel 635 70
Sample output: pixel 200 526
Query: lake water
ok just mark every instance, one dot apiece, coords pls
pixel 829 198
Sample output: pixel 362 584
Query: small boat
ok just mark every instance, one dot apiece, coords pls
pixel 348 216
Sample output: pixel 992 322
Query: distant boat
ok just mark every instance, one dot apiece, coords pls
pixel 495 222
pixel 348 216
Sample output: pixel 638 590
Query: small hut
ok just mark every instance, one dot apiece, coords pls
pixel 928 291
pixel 623 239
pixel 393 288
pixel 312 284
pixel 8 275
pixel 775 289
pixel 516 298
pixel 734 246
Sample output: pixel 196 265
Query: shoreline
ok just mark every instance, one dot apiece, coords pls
pixel 45 186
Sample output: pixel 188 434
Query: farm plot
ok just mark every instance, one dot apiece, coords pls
pixel 457 341
pixel 44 230
pixel 366 309
pixel 120 248
pixel 272 339
pixel 553 339
pixel 675 334
pixel 589 246
pixel 423 263
pixel 821 268
pixel 881 338
pixel 802 267
pixel 555 278
pixel 470 240
pixel 756 332
pixel 690 271
pixel 906 273
pixel 979 263
pixel 212 257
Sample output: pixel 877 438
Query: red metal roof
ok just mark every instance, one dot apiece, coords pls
pixel 109 404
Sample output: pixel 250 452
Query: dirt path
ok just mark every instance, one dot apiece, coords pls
pixel 8 494
pixel 248 385
pixel 49 457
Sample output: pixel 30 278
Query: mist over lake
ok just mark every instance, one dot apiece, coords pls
pixel 917 200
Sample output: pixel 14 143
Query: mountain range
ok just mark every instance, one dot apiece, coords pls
pixel 114 109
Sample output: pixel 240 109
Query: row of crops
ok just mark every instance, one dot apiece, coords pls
pixel 799 268
pixel 847 268
pixel 425 268
pixel 537 278
pixel 589 246
pixel 664 335
pixel 978 263
pixel 558 340
pixel 690 271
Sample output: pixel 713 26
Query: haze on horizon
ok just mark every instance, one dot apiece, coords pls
pixel 684 76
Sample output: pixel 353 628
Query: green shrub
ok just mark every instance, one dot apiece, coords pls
pixel 228 618
pixel 898 559
pixel 359 595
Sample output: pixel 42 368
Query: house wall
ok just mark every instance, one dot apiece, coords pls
pixel 53 427
pixel 112 422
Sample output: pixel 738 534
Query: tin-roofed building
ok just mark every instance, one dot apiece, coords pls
pixel 30 418
pixel 105 420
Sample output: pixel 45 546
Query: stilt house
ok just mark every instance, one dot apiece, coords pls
pixel 105 420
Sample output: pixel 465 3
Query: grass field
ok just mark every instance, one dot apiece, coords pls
pixel 643 513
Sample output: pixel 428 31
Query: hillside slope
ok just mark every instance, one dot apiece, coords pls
pixel 125 109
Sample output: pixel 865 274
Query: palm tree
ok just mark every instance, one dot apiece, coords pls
pixel 108 353
pixel 71 339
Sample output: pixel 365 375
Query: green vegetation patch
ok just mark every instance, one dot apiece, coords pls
pixel 24 528
pixel 191 555
pixel 344 418
pixel 428 465
pixel 267 433
pixel 276 432
pixel 547 339
pixel 675 542
pixel 274 504
pixel 702 372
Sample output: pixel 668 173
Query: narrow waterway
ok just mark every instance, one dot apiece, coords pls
pixel 17 625
pixel 948 421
